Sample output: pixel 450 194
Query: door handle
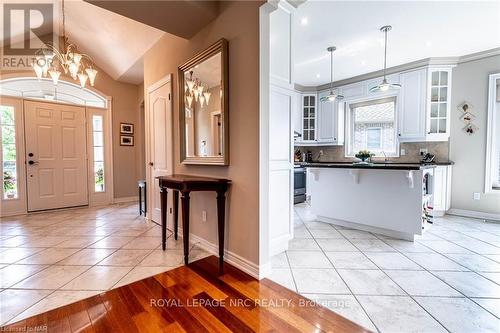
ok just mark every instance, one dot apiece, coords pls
pixel 151 163
pixel 32 162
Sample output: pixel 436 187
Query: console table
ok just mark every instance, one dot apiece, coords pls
pixel 185 184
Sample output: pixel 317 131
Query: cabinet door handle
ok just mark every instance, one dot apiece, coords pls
pixel 399 134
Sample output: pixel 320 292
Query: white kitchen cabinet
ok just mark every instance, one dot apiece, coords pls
pixel 412 106
pixel 442 189
pixel 438 104
pixel 297 117
pixel 327 120
pixel 309 118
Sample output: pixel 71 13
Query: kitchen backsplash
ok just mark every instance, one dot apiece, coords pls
pixel 412 152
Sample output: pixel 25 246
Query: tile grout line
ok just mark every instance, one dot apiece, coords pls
pixel 349 288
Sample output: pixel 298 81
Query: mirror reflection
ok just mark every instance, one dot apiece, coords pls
pixel 203 108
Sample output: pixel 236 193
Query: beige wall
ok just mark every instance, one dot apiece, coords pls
pixel 470 83
pixel 125 104
pixel 239 24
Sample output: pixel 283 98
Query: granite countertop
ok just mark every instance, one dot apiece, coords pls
pixel 378 165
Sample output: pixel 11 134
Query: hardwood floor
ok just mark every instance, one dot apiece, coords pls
pixel 192 298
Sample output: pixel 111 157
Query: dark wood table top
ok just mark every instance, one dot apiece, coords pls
pixel 192 181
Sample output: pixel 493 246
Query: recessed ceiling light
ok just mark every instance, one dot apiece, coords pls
pixel 363 62
pixel 318 76
pixel 304 21
pixel 428 43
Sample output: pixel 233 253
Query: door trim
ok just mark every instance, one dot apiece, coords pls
pixel 147 113
pixel 22 146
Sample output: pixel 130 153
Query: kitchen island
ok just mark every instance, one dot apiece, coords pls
pixel 393 199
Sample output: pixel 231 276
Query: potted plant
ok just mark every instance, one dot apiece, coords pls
pixel 9 184
pixel 364 156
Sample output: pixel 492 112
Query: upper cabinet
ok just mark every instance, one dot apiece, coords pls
pixel 423 108
pixel 438 105
pixel 321 122
pixel 424 105
pixel 309 118
pixel 412 103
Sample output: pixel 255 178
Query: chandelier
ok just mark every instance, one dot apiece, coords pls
pixel 196 91
pixel 49 61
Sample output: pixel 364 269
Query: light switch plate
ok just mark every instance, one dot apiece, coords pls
pixel 403 152
pixel 477 196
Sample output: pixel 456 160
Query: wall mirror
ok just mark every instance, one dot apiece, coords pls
pixel 203 101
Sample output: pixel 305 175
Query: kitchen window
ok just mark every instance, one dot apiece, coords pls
pixel 372 126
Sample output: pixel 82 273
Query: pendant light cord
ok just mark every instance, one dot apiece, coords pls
pixel 331 72
pixel 385 51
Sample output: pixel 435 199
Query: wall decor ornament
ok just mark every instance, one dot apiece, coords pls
pixel 126 140
pixel 467 117
pixel 126 128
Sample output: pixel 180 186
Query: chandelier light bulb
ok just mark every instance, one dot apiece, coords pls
pixel 38 70
pixel 73 69
pixel 54 74
pixel 207 95
pixel 202 100
pixel 83 79
pixel 92 74
pixel 190 100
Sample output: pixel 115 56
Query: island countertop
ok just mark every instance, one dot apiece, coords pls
pixel 374 165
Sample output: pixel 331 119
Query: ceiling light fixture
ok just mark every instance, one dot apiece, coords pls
pixel 49 61
pixel 384 85
pixel 333 95
pixel 304 21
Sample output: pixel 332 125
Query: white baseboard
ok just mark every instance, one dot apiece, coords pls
pixel 231 258
pixel 474 214
pixel 279 245
pixel 126 200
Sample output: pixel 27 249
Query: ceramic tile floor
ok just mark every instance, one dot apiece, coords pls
pixel 448 280
pixel 55 258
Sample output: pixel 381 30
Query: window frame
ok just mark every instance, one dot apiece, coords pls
pixel 349 127
pixel 491 135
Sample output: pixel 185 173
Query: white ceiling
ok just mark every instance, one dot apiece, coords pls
pixel 420 30
pixel 116 43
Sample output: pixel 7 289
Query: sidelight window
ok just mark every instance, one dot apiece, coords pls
pixel 98 145
pixel 9 154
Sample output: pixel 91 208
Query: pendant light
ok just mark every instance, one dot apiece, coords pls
pixel 384 85
pixel 332 96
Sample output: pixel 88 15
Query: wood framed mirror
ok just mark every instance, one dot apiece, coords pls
pixel 203 105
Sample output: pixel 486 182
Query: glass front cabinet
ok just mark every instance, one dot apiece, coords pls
pixel 438 104
pixel 309 118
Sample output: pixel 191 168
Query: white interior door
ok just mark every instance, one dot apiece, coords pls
pixel 56 155
pixel 160 141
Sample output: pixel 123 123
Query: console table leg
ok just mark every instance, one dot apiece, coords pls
pixel 221 218
pixel 176 213
pixel 185 225
pixel 163 199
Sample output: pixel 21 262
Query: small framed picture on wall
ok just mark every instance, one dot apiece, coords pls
pixel 126 128
pixel 126 140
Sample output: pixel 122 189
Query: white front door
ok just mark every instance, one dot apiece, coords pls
pixel 56 155
pixel 160 141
